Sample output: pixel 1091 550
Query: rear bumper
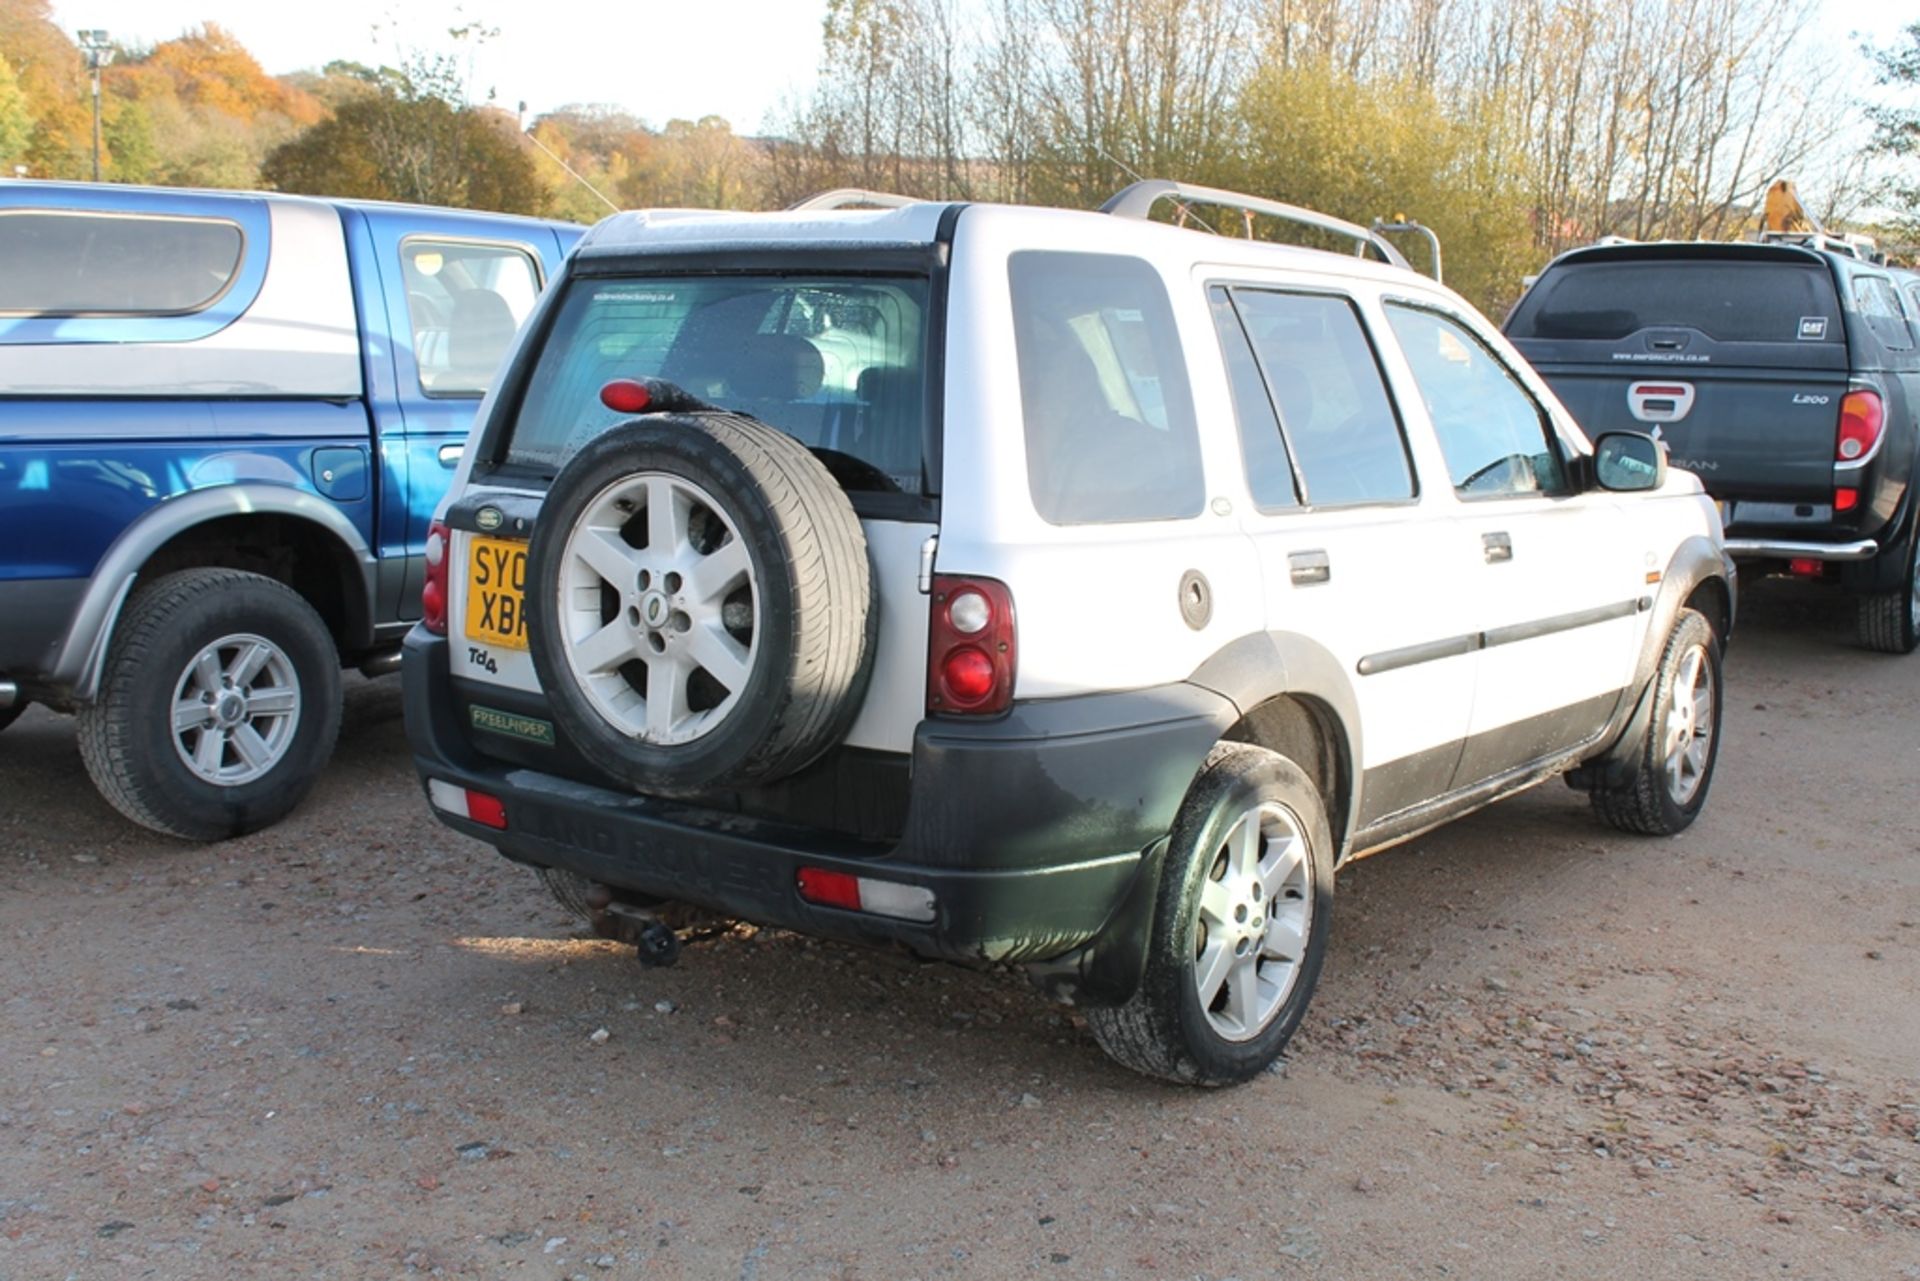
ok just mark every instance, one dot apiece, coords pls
pixel 1029 830
pixel 1787 549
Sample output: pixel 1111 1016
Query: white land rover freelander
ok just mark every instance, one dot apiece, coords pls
pixel 1032 586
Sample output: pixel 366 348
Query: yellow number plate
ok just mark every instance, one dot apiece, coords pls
pixel 496 592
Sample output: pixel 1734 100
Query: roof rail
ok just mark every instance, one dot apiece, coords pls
pixel 1138 200
pixel 1401 226
pixel 849 198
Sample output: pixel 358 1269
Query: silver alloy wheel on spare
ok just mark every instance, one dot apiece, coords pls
pixel 1687 748
pixel 662 637
pixel 235 709
pixel 1255 913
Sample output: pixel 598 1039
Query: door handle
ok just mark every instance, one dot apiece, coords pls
pixel 1308 567
pixel 1498 547
pixel 450 455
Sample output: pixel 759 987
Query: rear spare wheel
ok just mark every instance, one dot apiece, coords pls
pixel 699 603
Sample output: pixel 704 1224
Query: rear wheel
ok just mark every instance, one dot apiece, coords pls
pixel 1676 755
pixel 1240 929
pixel 218 706
pixel 1890 621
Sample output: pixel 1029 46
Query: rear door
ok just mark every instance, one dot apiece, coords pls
pixel 1735 356
pixel 452 290
pixel 1352 554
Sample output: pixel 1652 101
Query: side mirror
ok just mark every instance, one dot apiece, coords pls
pixel 1629 462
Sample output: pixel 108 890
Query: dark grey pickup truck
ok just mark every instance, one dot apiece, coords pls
pixel 1785 375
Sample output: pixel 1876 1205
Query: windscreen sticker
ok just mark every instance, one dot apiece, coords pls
pixel 633 295
pixel 1813 328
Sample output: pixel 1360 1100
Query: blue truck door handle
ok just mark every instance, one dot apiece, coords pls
pixel 450 455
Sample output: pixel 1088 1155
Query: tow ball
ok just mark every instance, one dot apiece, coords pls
pixel 654 943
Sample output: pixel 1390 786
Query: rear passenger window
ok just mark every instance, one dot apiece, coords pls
pixel 70 263
pixel 1103 389
pixel 1262 448
pixel 1492 431
pixel 1881 310
pixel 465 301
pixel 1335 416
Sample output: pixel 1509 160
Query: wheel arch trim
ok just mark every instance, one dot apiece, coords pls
pixel 92 624
pixel 1261 666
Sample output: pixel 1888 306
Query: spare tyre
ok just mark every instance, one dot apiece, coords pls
pixel 699 603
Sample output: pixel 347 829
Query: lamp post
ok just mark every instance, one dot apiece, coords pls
pixel 99 54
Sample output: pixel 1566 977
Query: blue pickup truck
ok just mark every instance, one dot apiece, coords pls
pixel 225 422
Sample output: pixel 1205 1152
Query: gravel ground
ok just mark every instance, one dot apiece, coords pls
pixel 360 1046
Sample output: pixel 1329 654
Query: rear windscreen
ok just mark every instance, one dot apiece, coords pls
pixel 1738 301
pixel 839 364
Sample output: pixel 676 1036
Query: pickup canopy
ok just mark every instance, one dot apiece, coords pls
pixel 1761 305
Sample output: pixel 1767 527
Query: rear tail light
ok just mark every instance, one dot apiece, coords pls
pixel 433 597
pixel 971 651
pixel 1845 500
pixel 464 802
pixel 869 894
pixel 1861 419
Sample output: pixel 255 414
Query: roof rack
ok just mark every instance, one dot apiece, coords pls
pixel 851 198
pixel 1138 200
pixel 1401 226
pixel 1853 245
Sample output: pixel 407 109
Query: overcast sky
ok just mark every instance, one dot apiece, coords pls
pixel 658 59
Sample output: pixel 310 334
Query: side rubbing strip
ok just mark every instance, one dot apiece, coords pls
pixel 1393 659
pixel 1426 652
pixel 1560 623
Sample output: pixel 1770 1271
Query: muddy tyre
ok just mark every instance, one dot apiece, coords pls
pixel 1674 760
pixel 218 705
pixel 700 607
pixel 1240 928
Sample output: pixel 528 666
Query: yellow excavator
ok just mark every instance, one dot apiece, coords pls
pixel 1784 218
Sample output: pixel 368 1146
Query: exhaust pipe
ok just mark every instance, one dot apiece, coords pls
pixel 382 664
pixel 9 694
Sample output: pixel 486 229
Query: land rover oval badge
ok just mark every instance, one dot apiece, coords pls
pixel 488 519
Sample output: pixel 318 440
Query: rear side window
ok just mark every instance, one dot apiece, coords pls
pixel 69 263
pixel 1729 301
pixel 1335 415
pixel 464 302
pixel 1103 389
pixel 1874 297
pixel 837 363
pixel 1262 448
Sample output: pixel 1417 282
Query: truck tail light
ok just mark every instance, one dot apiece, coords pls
pixel 433 597
pixel 1861 419
pixel 971 650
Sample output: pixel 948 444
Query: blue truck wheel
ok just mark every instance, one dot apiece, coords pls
pixel 218 706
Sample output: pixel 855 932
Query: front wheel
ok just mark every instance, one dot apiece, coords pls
pixel 1675 757
pixel 1240 928
pixel 218 705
